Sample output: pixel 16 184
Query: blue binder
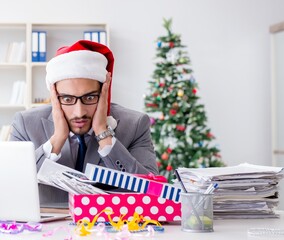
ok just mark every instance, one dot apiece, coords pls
pixel 42 46
pixel 35 46
pixel 87 35
pixel 96 36
pixel 102 37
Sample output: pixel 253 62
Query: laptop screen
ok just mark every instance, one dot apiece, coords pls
pixel 19 199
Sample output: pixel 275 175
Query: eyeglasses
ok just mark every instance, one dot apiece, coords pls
pixel 87 99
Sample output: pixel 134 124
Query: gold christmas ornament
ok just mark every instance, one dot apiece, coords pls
pixel 175 106
pixel 180 93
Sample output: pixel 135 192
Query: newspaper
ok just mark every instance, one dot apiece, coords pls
pixel 67 179
pixel 244 191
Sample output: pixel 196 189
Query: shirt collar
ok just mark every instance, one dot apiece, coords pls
pixel 73 135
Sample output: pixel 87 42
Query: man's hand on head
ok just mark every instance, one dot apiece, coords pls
pixel 100 116
pixel 61 128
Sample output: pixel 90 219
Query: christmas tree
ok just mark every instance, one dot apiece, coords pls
pixel 178 121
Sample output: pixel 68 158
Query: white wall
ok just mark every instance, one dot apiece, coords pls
pixel 228 43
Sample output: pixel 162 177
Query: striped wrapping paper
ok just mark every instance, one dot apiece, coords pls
pixel 131 182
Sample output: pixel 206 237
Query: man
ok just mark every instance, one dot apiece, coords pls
pixel 79 79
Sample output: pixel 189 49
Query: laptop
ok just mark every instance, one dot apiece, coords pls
pixel 19 199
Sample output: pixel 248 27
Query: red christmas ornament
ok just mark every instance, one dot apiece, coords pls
pixel 194 90
pixel 155 94
pixel 162 84
pixel 209 135
pixel 165 156
pixel 171 44
pixel 217 155
pixel 169 168
pixel 180 128
pixel 169 150
pixel 154 105
pixel 173 112
pixel 159 164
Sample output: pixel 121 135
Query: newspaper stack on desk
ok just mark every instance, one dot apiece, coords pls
pixel 244 191
pixel 59 176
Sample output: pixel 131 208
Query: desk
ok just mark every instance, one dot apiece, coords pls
pixel 223 230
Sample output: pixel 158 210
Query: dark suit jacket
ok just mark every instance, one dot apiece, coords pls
pixel 133 150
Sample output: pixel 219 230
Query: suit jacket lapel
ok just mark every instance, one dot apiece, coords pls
pixel 48 126
pixel 92 155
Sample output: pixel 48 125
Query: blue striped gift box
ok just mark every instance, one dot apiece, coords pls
pixel 131 182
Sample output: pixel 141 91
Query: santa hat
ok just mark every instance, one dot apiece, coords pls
pixel 83 59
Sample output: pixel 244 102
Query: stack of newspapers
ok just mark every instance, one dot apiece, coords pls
pixel 244 191
pixel 66 179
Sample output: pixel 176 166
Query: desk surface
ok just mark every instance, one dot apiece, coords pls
pixel 223 230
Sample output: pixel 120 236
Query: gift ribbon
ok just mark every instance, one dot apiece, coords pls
pixel 60 228
pixel 123 227
pixel 151 176
pixel 15 228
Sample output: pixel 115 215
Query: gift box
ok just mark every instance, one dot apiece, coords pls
pixel 87 206
pixel 132 182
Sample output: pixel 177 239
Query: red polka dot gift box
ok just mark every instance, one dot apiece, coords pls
pixel 87 206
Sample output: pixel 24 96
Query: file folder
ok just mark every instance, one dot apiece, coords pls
pixel 87 36
pixel 95 37
pixel 102 37
pixel 35 49
pixel 42 46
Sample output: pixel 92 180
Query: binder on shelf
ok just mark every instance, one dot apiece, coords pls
pixel 35 46
pixel 21 56
pixel 102 37
pixel 87 36
pixel 18 93
pixel 38 46
pixel 42 46
pixel 16 52
pixel 15 92
pixel 22 91
pixel 8 54
pixel 96 36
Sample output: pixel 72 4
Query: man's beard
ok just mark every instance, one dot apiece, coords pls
pixel 80 130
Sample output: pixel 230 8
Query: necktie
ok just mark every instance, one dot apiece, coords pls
pixel 81 153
